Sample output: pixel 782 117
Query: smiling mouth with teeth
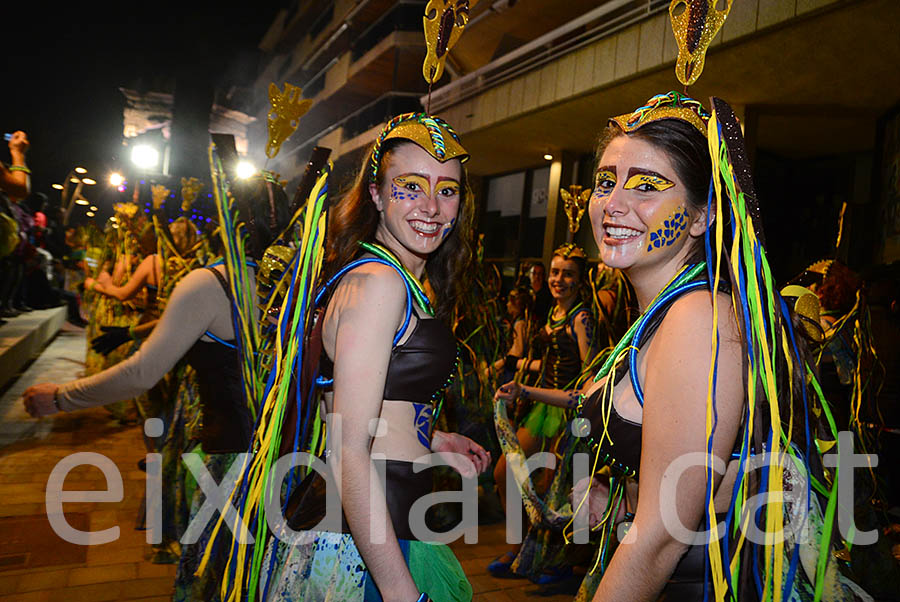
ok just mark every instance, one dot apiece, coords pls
pixel 621 232
pixel 425 228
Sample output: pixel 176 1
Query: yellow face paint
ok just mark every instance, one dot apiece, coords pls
pixel 604 182
pixel 649 182
pixel 447 188
pixel 408 186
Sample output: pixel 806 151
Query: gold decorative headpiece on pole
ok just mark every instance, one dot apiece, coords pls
pixel 444 22
pixel 190 187
pixel 575 201
pixel 284 116
pixel 160 193
pixel 126 210
pixel 695 24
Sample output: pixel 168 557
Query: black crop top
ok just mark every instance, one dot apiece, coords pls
pixel 226 422
pixel 420 367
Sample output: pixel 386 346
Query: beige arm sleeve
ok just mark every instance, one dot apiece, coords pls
pixel 198 304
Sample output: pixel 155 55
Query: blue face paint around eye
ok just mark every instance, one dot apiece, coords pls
pixel 671 229
pixel 399 194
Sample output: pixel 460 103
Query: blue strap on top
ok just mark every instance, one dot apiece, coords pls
pixel 352 265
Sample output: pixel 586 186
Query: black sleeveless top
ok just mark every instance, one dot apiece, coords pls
pixel 562 358
pixel 225 418
pixel 419 370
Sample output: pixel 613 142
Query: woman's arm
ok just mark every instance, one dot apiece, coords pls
pixel 365 312
pixel 195 303
pixel 554 397
pixel 583 327
pixel 131 288
pixel 15 180
pixel 676 368
pixel 517 349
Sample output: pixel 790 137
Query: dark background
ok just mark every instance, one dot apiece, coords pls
pixel 62 70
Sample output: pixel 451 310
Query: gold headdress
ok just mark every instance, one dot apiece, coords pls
pixel 444 22
pixel 695 27
pixel 665 106
pixel 190 187
pixel 284 116
pixel 432 134
pixel 570 251
pixel 575 201
pixel 160 193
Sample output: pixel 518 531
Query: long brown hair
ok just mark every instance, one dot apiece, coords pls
pixel 354 219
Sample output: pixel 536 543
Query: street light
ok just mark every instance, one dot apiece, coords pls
pixel 90 214
pixel 89 181
pixel 145 156
pixel 82 201
pixel 245 169
pixel 57 186
pixel 80 170
pixel 116 179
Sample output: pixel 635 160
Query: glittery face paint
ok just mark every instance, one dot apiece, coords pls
pixel 646 182
pixel 408 187
pixel 447 228
pixel 669 231
pixel 604 182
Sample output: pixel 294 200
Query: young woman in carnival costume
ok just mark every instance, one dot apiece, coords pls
pixel 199 325
pixel 709 399
pixel 566 343
pixel 381 354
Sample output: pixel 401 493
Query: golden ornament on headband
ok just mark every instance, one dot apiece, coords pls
pixel 575 201
pixel 443 22
pixel 160 193
pixel 570 250
pixel 284 116
pixel 807 307
pixel 695 25
pixel 432 134
pixel 673 105
pixel 190 187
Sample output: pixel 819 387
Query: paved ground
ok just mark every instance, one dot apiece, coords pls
pixel 35 565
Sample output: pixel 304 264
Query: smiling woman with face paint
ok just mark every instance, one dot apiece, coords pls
pixel 692 384
pixel 388 354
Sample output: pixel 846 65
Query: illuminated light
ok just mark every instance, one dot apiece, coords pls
pixel 548 157
pixel 89 181
pixel 144 156
pixel 80 170
pixel 94 208
pixel 114 219
pixel 74 180
pixel 81 202
pixel 116 226
pixel 57 186
pixel 121 188
pixel 245 169
pixel 116 179
pixel 90 214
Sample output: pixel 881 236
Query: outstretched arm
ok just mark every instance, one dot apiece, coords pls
pixel 196 302
pixel 130 289
pixel 15 180
pixel 554 397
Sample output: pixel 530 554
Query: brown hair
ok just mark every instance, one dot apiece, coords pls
pixel 354 219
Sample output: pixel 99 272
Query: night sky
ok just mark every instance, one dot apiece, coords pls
pixel 63 70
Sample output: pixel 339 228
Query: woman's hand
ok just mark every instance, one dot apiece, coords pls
pixel 596 501
pixel 39 399
pixel 464 455
pixel 509 392
pixel 89 283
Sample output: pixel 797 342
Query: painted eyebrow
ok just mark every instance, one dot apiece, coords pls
pixel 447 179
pixel 412 173
pixel 633 171
pixel 610 168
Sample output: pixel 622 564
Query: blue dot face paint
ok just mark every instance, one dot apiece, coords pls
pixel 408 187
pixel 669 231
pixel 604 182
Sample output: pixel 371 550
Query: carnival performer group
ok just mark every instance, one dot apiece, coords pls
pixel 325 331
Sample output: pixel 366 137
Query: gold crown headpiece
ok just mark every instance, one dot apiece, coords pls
pixel 125 209
pixel 665 106
pixel 160 193
pixel 570 251
pixel 432 134
pixel 190 188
